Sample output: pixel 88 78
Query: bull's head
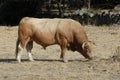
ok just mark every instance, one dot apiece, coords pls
pixel 87 49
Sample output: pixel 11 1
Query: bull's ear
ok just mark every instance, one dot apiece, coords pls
pixel 92 43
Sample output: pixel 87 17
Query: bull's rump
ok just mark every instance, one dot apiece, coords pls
pixel 44 31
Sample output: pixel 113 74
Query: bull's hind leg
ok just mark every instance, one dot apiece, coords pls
pixel 19 47
pixel 29 48
pixel 18 50
pixel 19 53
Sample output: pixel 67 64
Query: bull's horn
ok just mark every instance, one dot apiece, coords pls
pixel 83 45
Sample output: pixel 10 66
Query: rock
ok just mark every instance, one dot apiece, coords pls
pixel 117 8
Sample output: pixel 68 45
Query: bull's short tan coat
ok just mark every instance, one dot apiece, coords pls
pixel 67 33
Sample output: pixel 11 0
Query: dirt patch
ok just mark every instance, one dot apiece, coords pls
pixel 48 66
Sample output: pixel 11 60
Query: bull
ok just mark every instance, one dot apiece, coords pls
pixel 67 33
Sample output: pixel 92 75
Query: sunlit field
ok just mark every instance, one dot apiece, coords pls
pixel 49 66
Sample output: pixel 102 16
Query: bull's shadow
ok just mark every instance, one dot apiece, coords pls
pixel 7 60
pixel 40 60
pixel 55 60
pixel 11 60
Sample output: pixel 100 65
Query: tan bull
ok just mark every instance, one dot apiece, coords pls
pixel 67 33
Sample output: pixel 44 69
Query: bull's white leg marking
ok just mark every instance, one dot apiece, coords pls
pixel 19 53
pixel 30 56
pixel 64 58
pixel 29 53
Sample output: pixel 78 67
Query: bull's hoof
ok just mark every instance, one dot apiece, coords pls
pixel 31 60
pixel 65 61
pixel 19 61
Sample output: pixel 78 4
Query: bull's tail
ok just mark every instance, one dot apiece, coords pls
pixel 17 44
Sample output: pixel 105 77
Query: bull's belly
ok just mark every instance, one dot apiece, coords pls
pixel 45 41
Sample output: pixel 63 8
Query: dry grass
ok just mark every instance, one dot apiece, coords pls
pixel 116 56
pixel 48 66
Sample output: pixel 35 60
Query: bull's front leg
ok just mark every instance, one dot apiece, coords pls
pixel 62 56
pixel 63 50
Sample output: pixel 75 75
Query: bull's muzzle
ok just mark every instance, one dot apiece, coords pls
pixel 90 58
